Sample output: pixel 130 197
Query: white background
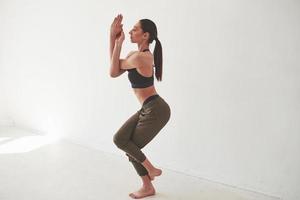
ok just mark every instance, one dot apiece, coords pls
pixel 231 77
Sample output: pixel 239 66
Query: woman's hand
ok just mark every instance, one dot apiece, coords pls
pixel 121 38
pixel 116 27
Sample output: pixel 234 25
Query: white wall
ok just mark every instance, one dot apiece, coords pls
pixel 3 113
pixel 230 77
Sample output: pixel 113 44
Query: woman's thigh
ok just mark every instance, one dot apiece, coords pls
pixel 126 130
pixel 152 118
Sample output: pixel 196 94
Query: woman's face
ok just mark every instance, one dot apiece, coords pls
pixel 136 34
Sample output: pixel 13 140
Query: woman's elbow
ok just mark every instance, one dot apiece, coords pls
pixel 112 75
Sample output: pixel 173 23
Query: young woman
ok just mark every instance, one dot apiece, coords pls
pixel 154 114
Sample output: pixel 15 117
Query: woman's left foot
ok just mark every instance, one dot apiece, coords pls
pixel 143 192
pixel 155 172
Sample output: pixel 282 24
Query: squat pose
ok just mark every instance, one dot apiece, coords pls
pixel 154 114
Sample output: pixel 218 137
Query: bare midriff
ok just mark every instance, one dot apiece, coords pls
pixel 143 93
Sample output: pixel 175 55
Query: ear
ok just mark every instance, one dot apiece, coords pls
pixel 146 36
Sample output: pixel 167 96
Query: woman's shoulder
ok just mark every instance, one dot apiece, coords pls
pixel 143 58
pixel 130 53
pixel 140 54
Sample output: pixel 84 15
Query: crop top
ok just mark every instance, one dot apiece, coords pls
pixel 137 80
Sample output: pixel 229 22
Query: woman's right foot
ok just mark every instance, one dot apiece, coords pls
pixel 143 192
pixel 155 172
pixel 152 171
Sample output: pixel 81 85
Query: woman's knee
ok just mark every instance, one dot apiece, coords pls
pixel 119 142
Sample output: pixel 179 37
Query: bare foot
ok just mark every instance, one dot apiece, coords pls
pixel 155 172
pixel 143 192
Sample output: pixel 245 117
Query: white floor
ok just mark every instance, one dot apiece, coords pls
pixel 34 167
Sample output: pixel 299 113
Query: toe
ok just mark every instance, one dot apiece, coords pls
pixel 132 195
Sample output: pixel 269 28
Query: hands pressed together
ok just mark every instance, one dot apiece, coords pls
pixel 116 29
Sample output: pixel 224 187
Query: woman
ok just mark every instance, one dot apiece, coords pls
pixel 145 124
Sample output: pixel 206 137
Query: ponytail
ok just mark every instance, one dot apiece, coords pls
pixel 150 27
pixel 158 59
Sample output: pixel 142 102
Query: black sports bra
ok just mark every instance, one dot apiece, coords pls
pixel 137 80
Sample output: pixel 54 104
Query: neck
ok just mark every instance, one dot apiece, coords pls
pixel 143 46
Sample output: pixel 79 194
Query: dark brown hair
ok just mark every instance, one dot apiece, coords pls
pixel 149 26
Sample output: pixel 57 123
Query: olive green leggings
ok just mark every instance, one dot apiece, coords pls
pixel 141 128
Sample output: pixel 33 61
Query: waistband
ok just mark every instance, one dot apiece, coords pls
pixel 150 98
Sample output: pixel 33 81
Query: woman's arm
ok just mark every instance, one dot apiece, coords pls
pixel 115 30
pixel 112 44
pixel 115 33
pixel 115 70
pixel 134 61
